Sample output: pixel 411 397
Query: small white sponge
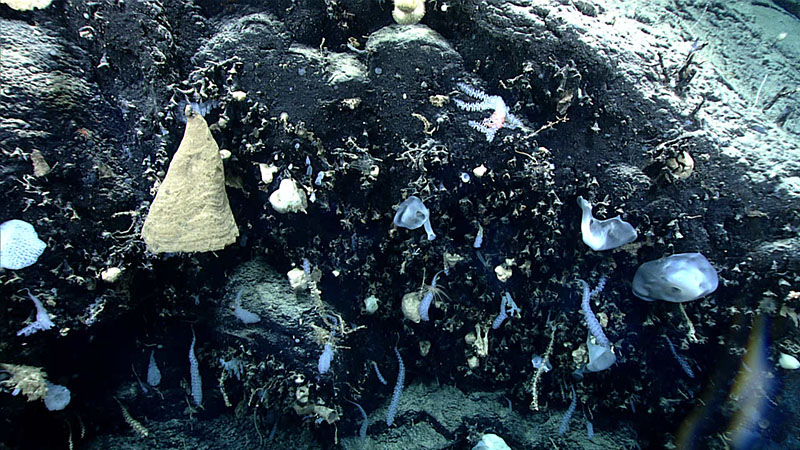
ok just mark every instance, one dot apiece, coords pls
pixel 57 398
pixel 491 441
pixel 288 198
pixel 20 246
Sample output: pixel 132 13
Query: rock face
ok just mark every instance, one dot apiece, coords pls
pixel 43 80
pixel 498 114
pixel 282 311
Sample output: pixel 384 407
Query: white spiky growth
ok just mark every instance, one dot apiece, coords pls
pixel 499 118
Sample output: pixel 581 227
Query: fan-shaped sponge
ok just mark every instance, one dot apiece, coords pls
pixel 20 246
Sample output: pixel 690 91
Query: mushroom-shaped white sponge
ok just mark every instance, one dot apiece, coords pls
pixel 678 278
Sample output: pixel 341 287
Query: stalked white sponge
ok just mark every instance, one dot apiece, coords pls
pixel 678 278
pixel 20 246
pixel 412 214
pixel 604 234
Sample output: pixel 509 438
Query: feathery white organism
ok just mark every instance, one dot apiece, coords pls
pixel 499 118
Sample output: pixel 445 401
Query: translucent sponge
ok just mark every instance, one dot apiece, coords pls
pixel 604 234
pixel 20 246
pixel 678 278
pixel 413 214
pixel 600 357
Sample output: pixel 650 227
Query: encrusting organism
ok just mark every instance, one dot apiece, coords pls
pixel 499 118
pixel 29 380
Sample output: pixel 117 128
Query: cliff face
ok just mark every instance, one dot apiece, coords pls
pixel 677 116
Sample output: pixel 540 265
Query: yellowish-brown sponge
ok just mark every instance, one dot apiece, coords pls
pixel 191 212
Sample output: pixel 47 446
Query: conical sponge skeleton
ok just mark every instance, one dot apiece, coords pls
pixel 190 212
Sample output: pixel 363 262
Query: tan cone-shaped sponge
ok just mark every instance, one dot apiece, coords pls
pixel 191 212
